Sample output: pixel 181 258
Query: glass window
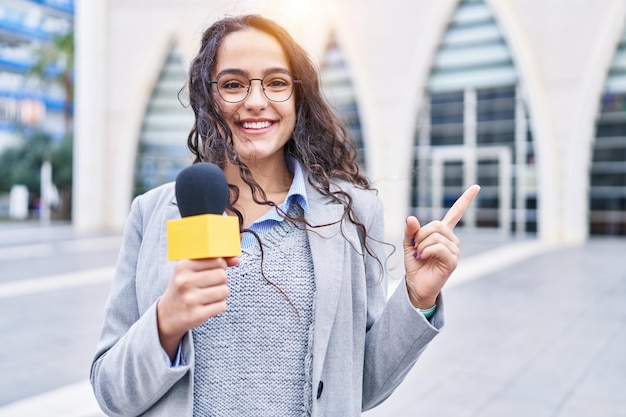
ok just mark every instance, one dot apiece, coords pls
pixel 337 86
pixel 473 124
pixel 163 149
pixel 607 194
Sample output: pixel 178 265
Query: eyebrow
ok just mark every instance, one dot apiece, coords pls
pixel 237 71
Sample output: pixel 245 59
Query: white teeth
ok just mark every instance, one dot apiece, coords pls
pixel 256 125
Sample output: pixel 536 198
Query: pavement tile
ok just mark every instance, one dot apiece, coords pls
pixel 514 407
pixel 547 331
pixel 581 405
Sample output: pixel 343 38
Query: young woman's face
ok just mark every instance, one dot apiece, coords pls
pixel 260 127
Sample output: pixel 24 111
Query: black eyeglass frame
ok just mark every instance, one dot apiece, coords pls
pixel 249 87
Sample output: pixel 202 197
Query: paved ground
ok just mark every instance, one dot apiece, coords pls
pixel 542 337
pixel 531 330
pixel 53 285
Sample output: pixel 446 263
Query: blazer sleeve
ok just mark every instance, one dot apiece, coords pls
pixel 396 332
pixel 130 371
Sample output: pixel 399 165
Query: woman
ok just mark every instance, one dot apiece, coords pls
pixel 299 324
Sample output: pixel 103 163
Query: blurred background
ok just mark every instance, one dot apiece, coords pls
pixel 524 97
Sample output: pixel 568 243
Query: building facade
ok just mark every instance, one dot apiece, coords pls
pixel 524 97
pixel 27 27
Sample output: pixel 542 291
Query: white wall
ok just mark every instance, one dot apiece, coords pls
pixel 561 48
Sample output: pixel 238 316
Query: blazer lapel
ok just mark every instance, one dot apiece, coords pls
pixel 327 250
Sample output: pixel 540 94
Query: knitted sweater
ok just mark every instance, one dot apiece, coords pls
pixel 255 359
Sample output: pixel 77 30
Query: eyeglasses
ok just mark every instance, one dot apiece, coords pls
pixel 235 88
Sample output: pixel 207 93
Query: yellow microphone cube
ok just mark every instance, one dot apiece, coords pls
pixel 203 236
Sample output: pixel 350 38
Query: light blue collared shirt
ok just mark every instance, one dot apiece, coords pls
pixel 296 195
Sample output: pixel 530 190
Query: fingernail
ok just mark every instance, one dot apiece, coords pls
pixel 417 255
pixel 413 242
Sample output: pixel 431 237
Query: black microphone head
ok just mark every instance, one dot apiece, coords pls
pixel 201 189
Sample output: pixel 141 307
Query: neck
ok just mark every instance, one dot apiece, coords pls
pixel 274 178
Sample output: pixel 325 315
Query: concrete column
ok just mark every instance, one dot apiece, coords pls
pixel 88 210
pixel 578 148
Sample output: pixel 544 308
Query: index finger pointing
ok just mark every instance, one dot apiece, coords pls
pixel 453 216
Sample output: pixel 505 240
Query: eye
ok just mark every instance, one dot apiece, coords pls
pixel 232 84
pixel 277 81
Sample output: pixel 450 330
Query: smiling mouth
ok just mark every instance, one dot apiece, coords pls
pixel 256 125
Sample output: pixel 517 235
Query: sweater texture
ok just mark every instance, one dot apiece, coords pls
pixel 255 359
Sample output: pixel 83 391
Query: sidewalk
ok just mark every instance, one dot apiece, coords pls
pixel 53 284
pixel 542 337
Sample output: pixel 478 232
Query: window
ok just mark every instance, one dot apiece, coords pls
pixel 337 86
pixel 163 149
pixel 475 128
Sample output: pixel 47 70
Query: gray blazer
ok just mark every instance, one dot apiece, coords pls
pixel 364 344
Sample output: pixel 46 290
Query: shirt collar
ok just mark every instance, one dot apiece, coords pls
pixel 295 195
pixel 297 191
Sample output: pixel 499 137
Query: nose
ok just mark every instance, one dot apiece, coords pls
pixel 256 96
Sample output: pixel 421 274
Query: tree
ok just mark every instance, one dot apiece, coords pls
pixel 57 58
pixel 56 61
pixel 61 157
pixel 21 164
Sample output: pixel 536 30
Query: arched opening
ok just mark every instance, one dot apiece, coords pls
pixel 607 194
pixel 474 128
pixel 162 144
pixel 337 86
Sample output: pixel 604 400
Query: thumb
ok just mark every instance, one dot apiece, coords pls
pixel 410 230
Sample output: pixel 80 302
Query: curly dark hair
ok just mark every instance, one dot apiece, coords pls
pixel 319 140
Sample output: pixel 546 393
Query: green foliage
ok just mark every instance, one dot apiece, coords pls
pixel 61 160
pixel 21 164
pixel 6 168
pixel 59 53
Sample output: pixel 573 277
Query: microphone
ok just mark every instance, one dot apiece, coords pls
pixel 202 231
